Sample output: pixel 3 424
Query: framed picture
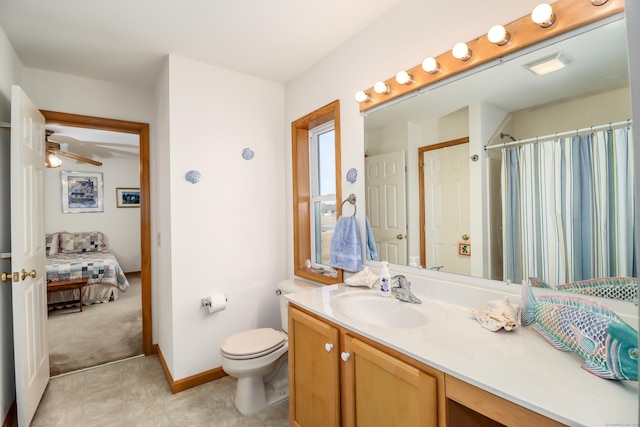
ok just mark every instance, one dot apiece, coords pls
pixel 82 192
pixel 464 249
pixel 128 197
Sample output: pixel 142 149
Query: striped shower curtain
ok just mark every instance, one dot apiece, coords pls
pixel 568 208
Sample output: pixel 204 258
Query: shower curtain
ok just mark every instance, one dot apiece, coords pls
pixel 568 208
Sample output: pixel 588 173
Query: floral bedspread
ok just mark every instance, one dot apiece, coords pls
pixel 99 267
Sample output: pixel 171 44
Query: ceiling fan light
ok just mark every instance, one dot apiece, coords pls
pixel 51 160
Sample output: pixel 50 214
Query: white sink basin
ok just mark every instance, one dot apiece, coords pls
pixel 366 307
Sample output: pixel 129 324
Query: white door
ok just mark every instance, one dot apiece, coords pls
pixel 387 206
pixel 446 187
pixel 27 255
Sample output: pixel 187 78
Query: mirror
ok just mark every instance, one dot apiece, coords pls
pixel 449 125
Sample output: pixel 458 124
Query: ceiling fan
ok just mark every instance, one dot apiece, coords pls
pixel 53 151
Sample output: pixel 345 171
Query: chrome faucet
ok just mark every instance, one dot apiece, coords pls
pixel 403 290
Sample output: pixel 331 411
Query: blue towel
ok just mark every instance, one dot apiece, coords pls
pixel 372 250
pixel 346 249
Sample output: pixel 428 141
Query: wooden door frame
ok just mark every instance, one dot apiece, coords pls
pixel 421 151
pixel 142 130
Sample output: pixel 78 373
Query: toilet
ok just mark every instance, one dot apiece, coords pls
pixel 258 359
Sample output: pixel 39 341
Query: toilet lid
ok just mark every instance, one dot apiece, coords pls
pixel 253 343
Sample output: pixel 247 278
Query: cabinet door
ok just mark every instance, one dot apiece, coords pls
pixel 380 390
pixel 314 382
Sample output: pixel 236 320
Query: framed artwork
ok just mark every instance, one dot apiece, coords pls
pixel 128 197
pixel 82 192
pixel 464 249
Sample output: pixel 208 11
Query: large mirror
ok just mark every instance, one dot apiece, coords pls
pixel 436 196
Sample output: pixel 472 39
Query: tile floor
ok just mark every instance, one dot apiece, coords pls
pixel 134 393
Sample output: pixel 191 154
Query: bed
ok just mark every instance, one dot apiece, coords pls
pixel 83 255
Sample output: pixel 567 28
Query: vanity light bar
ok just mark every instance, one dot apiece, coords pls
pixel 499 42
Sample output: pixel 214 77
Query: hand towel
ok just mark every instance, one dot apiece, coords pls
pixel 372 250
pixel 346 250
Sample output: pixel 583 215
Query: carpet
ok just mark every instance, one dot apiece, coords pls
pixel 102 333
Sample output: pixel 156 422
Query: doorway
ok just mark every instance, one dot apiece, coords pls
pixel 142 130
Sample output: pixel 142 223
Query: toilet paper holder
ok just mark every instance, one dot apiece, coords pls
pixel 206 302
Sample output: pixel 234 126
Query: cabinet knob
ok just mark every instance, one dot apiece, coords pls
pixel 345 356
pixel 328 347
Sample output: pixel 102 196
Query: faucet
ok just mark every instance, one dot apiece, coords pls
pixel 403 290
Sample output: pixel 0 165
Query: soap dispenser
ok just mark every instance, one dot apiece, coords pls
pixel 385 280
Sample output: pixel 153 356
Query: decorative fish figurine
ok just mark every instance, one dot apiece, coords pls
pixel 620 288
pixel 607 343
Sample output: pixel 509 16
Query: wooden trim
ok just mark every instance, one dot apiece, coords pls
pixel 300 180
pixel 142 129
pixel 492 406
pixel 11 420
pixel 188 382
pixel 423 216
pixel 570 15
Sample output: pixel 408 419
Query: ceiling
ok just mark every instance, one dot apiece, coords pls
pixel 125 41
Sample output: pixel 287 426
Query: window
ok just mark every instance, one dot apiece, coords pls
pixel 316 190
pixel 322 179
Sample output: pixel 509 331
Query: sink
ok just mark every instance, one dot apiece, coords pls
pixel 367 307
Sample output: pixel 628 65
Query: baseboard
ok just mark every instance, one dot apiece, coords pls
pixel 11 420
pixel 189 382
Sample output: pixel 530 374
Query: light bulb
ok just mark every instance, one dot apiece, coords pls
pixel 543 15
pixel 381 87
pixel 461 51
pixel 498 35
pixel 361 96
pixel 430 65
pixel 404 78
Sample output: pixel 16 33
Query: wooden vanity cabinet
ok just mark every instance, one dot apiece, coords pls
pixel 338 378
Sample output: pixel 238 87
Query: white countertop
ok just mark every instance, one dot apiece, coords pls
pixel 520 365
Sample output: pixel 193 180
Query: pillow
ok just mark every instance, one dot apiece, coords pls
pixel 52 244
pixel 91 241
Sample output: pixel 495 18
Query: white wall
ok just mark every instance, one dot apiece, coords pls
pixel 9 74
pixel 121 226
pixel 226 230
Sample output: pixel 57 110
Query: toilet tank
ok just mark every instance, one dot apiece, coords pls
pixel 290 286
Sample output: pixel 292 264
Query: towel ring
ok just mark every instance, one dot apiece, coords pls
pixel 351 199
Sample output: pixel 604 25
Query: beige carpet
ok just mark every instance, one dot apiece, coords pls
pixel 101 333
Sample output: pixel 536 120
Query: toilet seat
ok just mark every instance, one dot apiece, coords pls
pixel 253 343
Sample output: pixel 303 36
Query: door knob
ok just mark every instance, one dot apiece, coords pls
pixel 5 277
pixel 31 274
pixel 400 236
pixel 465 237
pixel 328 347
pixel 345 356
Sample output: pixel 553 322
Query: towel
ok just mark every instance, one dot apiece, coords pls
pixel 372 250
pixel 346 250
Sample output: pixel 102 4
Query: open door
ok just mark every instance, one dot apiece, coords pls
pixel 27 255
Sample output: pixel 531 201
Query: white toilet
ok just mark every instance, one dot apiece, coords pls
pixel 258 358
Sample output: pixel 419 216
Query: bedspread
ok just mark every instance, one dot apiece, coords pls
pixel 98 267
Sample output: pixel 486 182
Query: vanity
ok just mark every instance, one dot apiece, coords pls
pixel 432 364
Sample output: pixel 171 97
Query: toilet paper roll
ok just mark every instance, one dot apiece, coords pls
pixel 218 303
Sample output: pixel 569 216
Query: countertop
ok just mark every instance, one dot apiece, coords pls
pixel 520 365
